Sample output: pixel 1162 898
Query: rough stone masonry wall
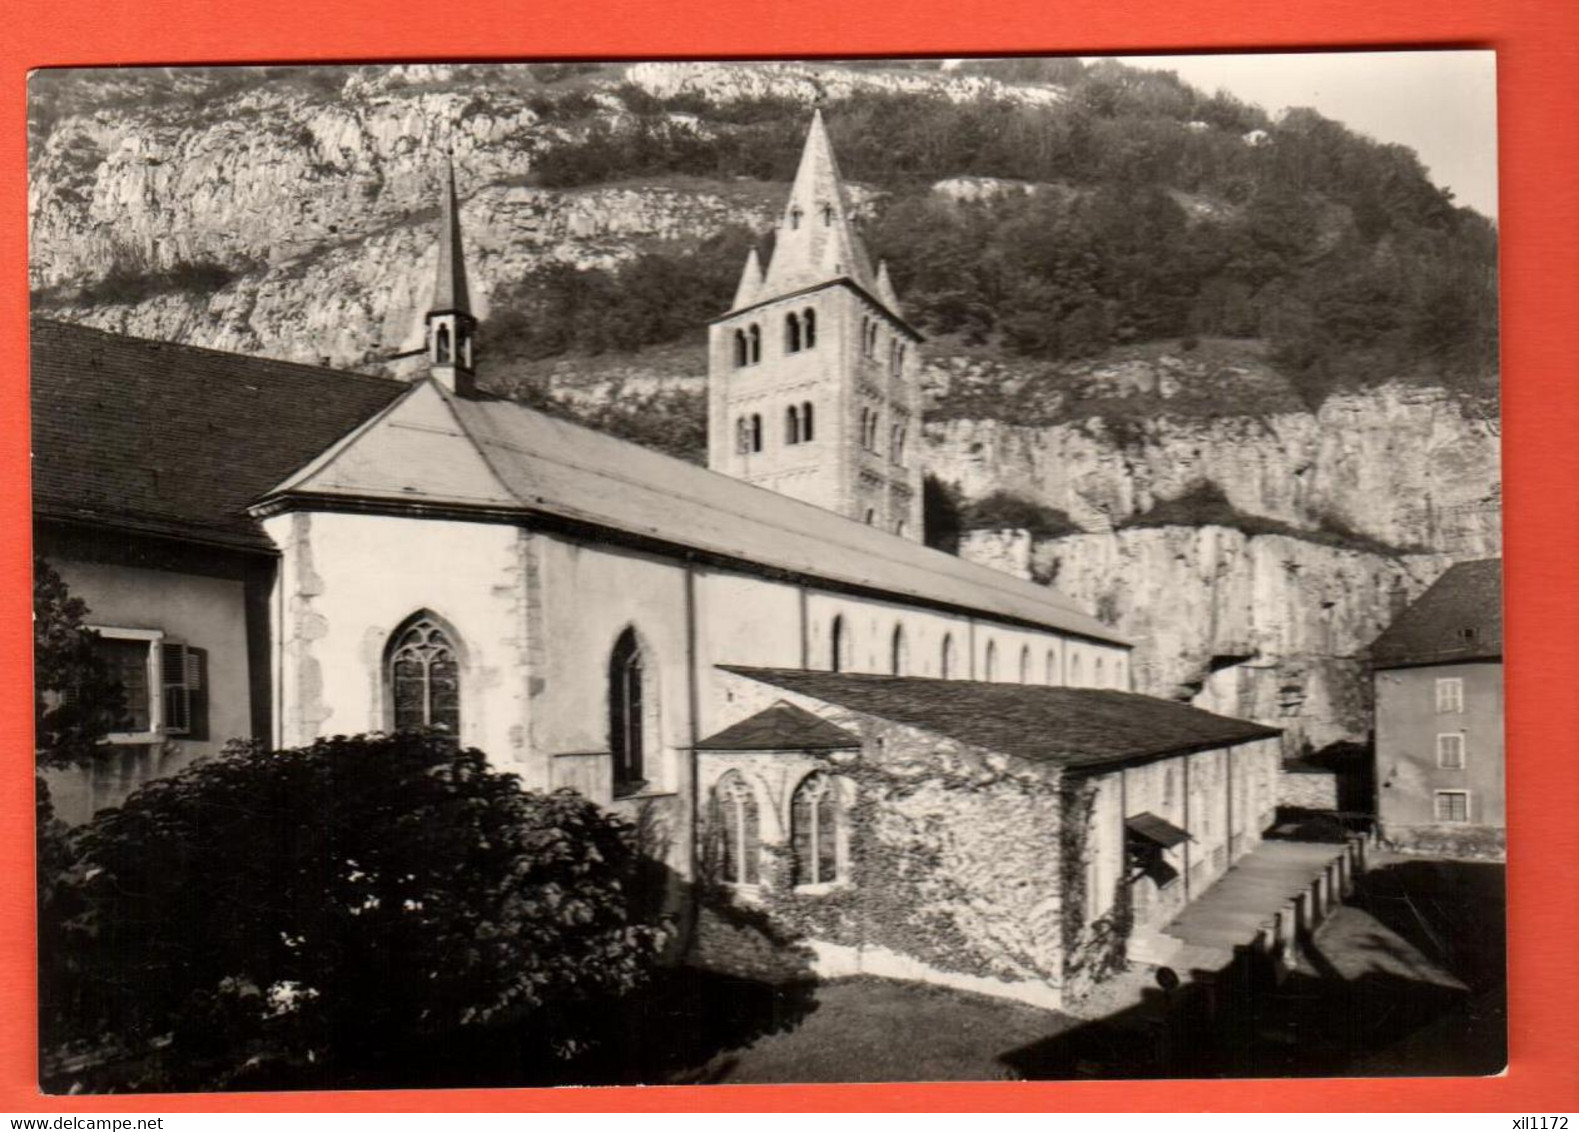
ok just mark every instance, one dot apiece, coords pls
pixel 953 855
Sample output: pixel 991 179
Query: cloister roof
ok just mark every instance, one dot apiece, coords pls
pixel 1458 619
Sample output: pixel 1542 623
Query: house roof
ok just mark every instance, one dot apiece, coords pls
pixel 781 727
pixel 1458 619
pixel 1159 831
pixel 1076 728
pixel 436 449
pixel 177 440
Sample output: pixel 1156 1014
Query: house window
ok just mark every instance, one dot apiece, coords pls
pixel 808 323
pixel 424 676
pixel 1450 694
pixel 946 659
pixel 992 661
pixel 627 718
pixel 1450 751
pixel 805 418
pixel 130 662
pixel 164 685
pixel 792 425
pixel 791 333
pixel 738 824
pixel 815 829
pixel 1452 805
pixel 899 655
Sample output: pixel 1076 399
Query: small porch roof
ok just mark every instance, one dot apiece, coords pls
pixel 1158 831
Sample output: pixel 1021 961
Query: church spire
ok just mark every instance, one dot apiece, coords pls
pixel 750 281
pixel 451 326
pixel 817 241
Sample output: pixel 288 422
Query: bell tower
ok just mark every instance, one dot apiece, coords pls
pixel 813 372
pixel 451 327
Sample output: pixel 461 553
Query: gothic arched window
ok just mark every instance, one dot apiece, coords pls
pixel 816 831
pixel 738 827
pixel 791 333
pixel 742 356
pixel 836 645
pixel 899 654
pixel 871 516
pixel 441 344
pixel 627 721
pixel 424 676
pixel 1025 665
pixel 756 432
pixel 755 335
pixel 946 657
pixel 808 322
pixel 792 425
pixel 991 667
pixel 805 421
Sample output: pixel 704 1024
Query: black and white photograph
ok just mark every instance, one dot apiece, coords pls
pixel 797 571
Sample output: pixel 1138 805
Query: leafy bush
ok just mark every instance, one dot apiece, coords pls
pixel 326 909
pixel 1205 505
pixel 76 699
pixel 1003 509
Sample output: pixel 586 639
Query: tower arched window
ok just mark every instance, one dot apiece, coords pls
pixel 742 351
pixel 871 516
pixel 827 215
pixel 792 425
pixel 441 344
pixel 838 645
pixel 755 337
pixel 946 657
pixel 991 664
pixel 805 421
pixel 792 333
pixel 794 217
pixel 816 830
pixel 808 328
pixel 1025 665
pixel 899 653
pixel 743 436
pixel 424 676
pixel 738 827
pixel 756 432
pixel 628 711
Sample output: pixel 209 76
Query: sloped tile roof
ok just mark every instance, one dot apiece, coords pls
pixel 1458 619
pixel 177 440
pixel 1159 831
pixel 781 727
pixel 1076 728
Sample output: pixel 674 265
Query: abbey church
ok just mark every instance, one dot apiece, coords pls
pixel 930 769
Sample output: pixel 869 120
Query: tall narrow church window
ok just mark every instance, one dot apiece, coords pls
pixel 741 354
pixel 441 344
pixel 946 659
pixel 815 817
pixel 791 333
pixel 792 425
pixel 737 821
pixel 805 421
pixel 742 436
pixel 991 667
pixel 1074 671
pixel 899 660
pixel 808 322
pixel 755 335
pixel 756 432
pixel 1025 665
pixel 1051 672
pixel 424 677
pixel 627 724
pixel 871 516
pixel 1096 680
pixel 836 645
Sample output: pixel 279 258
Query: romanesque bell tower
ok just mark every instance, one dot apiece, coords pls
pixel 812 375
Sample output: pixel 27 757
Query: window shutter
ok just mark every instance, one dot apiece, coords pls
pixel 177 715
pixel 197 693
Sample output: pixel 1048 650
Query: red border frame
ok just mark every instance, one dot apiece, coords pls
pixel 1538 60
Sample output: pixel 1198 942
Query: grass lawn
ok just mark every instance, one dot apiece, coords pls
pixel 869 1029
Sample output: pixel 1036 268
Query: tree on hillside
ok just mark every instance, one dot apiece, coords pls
pixel 76 698
pixel 316 915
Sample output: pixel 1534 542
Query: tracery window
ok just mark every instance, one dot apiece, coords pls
pixel 424 677
pixel 739 830
pixel 815 828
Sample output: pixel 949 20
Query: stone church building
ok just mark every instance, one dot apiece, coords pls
pixel 844 745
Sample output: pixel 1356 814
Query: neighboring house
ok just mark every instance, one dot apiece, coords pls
pixel 356 554
pixel 1439 730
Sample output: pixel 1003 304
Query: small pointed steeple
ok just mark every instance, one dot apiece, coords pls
pixel 817 241
pixel 452 329
pixel 750 281
pixel 885 289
